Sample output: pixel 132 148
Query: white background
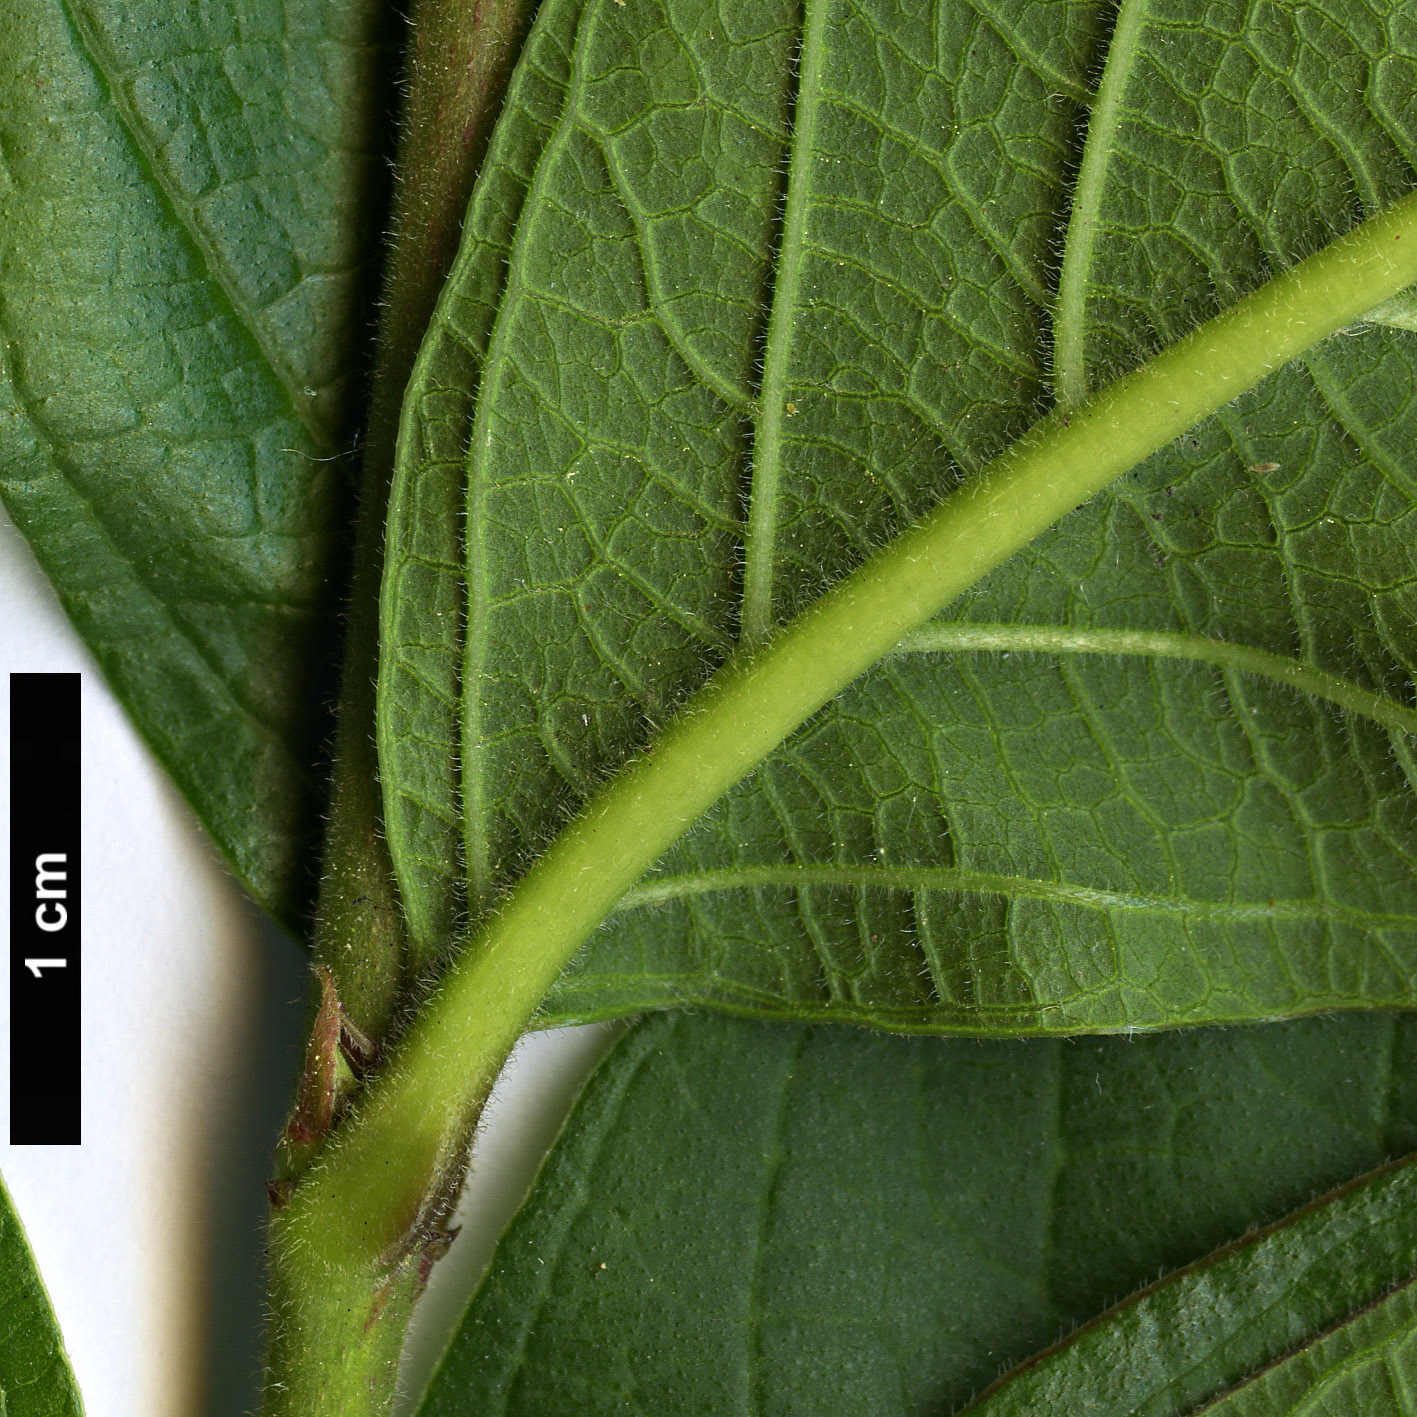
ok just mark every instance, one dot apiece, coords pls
pixel 148 1235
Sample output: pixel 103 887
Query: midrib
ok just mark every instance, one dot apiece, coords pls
pixel 759 542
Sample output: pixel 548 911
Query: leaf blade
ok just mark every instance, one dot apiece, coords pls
pixel 1271 1299
pixel 1089 777
pixel 1364 1365
pixel 167 305
pixel 35 1379
pixel 804 1220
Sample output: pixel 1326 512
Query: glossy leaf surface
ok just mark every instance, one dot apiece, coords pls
pixel 743 293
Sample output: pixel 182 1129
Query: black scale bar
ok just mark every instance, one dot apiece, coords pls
pixel 45 997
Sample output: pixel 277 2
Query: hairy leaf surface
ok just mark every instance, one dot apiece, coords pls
pixel 35 1380
pixel 742 292
pixel 1271 1298
pixel 1367 1366
pixel 814 1220
pixel 184 245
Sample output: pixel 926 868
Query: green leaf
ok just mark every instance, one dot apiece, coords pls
pixel 808 1220
pixel 1185 1340
pixel 184 260
pixel 35 1380
pixel 1366 1366
pixel 738 300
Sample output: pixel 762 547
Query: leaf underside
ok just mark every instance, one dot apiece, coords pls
pixel 1265 1301
pixel 1365 1366
pixel 1368 1366
pixel 815 1220
pixel 35 1380
pixel 186 210
pixel 741 294
pixel 743 291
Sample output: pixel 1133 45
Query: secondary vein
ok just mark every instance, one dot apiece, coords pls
pixel 1162 644
pixel 659 889
pixel 477 834
pixel 1069 359
pixel 415 1116
pixel 761 533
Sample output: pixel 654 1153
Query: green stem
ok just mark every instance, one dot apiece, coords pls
pixel 459 61
pixel 334 1348
pixel 367 1201
pixel 460 58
